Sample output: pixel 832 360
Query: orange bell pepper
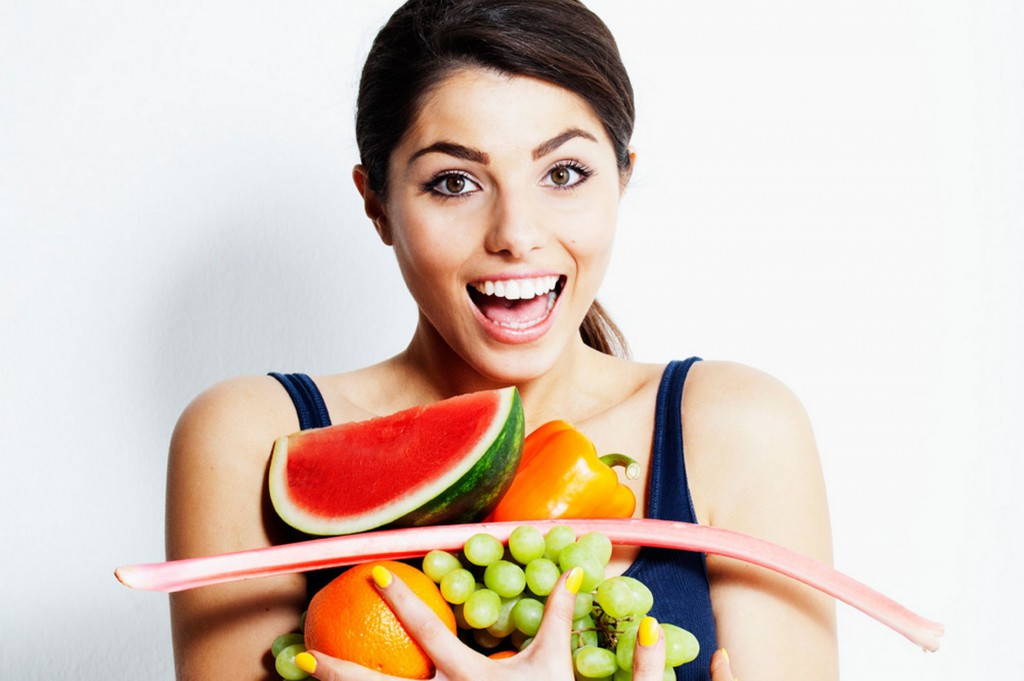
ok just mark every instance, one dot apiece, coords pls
pixel 561 476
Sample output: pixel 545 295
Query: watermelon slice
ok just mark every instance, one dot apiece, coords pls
pixel 447 462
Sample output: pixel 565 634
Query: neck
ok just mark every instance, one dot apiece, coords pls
pixel 556 390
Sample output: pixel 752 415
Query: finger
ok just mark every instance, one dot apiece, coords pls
pixel 327 668
pixel 556 627
pixel 422 623
pixel 721 669
pixel 649 651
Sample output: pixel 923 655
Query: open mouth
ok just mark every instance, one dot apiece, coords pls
pixel 516 303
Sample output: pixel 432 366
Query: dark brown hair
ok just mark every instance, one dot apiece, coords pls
pixel 558 41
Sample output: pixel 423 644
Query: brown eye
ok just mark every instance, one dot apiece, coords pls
pixel 454 184
pixel 561 176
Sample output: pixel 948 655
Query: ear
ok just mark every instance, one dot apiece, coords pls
pixel 627 174
pixel 372 204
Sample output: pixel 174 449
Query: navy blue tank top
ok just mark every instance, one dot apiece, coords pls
pixel 678 579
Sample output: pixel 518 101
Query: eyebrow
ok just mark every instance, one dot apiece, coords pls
pixel 477 156
pixel 453 149
pixel 545 148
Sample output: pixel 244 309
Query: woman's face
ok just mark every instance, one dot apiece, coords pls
pixel 501 208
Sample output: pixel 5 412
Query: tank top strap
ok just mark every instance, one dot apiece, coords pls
pixel 668 497
pixel 309 403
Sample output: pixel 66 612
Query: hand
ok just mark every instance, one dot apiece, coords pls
pixel 547 658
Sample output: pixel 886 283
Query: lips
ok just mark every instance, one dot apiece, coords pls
pixel 516 304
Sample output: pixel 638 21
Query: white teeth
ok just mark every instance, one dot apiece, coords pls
pixel 516 289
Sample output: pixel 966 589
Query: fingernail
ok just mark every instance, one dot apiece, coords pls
pixel 724 654
pixel 574 580
pixel 306 663
pixel 649 632
pixel 381 576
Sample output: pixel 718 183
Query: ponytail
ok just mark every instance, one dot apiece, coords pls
pixel 601 333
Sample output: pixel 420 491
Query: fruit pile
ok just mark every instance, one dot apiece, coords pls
pixel 497 594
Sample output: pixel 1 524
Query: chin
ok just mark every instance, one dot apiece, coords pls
pixel 517 365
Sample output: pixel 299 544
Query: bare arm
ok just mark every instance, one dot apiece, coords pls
pixel 216 502
pixel 756 470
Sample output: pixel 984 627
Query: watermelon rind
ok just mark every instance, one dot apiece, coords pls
pixel 466 492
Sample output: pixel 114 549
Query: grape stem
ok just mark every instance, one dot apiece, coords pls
pixel 329 552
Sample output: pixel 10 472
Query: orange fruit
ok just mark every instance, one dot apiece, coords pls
pixel 349 620
pixel 502 654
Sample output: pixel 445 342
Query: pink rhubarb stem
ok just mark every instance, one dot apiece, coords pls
pixel 190 573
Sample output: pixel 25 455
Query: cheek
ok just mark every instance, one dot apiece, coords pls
pixel 429 254
pixel 591 231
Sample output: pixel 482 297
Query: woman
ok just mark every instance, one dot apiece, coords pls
pixel 494 140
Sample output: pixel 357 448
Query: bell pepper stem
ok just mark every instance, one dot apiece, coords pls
pixel 631 466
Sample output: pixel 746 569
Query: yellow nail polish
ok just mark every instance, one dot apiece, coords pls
pixel 574 580
pixel 725 654
pixel 649 631
pixel 306 663
pixel 381 576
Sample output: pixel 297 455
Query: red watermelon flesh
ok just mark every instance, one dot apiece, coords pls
pixel 445 462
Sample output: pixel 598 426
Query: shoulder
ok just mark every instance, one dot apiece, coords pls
pixel 750 446
pixel 217 466
pixel 240 409
pixel 746 401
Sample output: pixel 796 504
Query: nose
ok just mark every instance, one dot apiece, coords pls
pixel 516 228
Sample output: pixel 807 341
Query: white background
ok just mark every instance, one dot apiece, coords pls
pixel 830 191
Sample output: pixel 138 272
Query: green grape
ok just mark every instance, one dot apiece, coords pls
pixel 458 585
pixel 595 663
pixel 680 645
pixel 520 640
pixel 584 632
pixel 644 597
pixel 482 608
pixel 578 555
pixel 485 639
pixel 460 616
pixel 627 674
pixel 583 605
pixel 623 674
pixel 284 662
pixel 599 543
pixel 527 614
pixel 615 596
pixel 483 549
pixel 504 626
pixel 283 641
pixel 505 579
pixel 557 538
pixel 437 564
pixel 625 647
pixel 541 576
pixel 526 543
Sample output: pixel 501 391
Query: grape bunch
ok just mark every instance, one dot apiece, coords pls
pixel 498 595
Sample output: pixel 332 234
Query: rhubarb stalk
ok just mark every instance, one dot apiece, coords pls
pixel 314 554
